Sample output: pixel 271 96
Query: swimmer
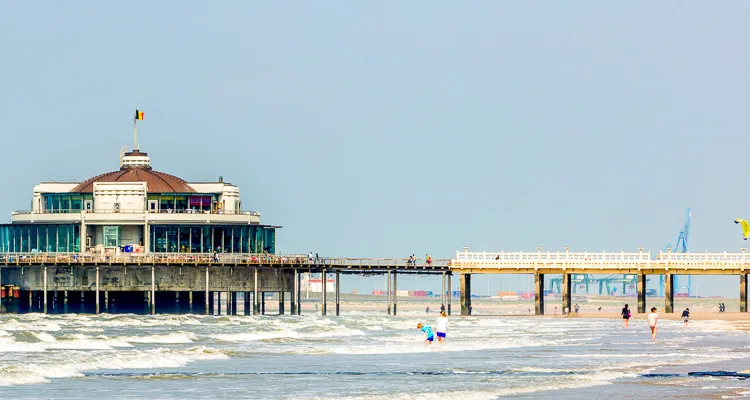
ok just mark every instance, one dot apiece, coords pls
pixel 442 327
pixel 428 331
pixel 653 319
pixel 686 316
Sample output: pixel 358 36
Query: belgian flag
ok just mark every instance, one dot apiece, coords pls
pixel 138 115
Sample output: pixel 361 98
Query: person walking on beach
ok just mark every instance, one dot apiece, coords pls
pixel 555 312
pixel 442 327
pixel 653 319
pixel 625 316
pixel 430 336
pixel 686 316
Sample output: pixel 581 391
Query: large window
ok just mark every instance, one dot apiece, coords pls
pixel 111 236
pixel 39 238
pixel 62 203
pixel 207 239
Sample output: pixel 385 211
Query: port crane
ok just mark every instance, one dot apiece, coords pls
pixel 680 245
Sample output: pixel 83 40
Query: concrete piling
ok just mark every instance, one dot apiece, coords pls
pixel 97 289
pixel 567 293
pixel 338 291
pixel 388 291
pixel 538 294
pixel 450 293
pixel 669 293
pixel 395 292
pixel 281 302
pixel 641 293
pixel 465 291
pixel 743 292
pixel 324 292
pixel 44 307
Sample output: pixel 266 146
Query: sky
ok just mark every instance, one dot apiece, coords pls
pixel 382 129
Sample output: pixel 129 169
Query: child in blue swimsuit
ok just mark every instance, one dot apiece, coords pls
pixel 428 331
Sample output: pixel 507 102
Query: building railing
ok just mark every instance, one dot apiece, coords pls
pixel 563 259
pixel 125 211
pixel 211 259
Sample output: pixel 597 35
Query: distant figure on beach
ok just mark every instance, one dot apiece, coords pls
pixel 442 327
pixel 625 316
pixel 555 312
pixel 653 319
pixel 427 310
pixel 686 316
pixel 442 308
pixel 430 336
pixel 576 308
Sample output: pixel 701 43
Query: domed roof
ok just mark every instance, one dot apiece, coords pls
pixel 156 182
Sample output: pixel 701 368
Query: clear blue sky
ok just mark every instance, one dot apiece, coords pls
pixel 390 128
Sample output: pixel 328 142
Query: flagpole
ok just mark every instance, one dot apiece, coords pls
pixel 135 133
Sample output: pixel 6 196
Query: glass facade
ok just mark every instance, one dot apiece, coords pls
pixel 29 238
pixel 207 239
pixel 111 236
pixel 168 202
pixel 62 203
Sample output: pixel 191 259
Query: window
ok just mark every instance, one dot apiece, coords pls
pixel 111 236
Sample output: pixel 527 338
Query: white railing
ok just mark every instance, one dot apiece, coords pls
pixel 563 259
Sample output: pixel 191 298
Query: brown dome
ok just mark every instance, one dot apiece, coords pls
pixel 156 182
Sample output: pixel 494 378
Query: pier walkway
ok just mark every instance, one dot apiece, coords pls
pixel 567 263
pixel 204 276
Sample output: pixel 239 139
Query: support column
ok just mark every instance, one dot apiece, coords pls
pixel 465 294
pixel 442 292
pixel 281 302
pixel 338 291
pixel 324 296
pixel 31 300
pixel 668 293
pixel 208 308
pixel 566 292
pixel 395 293
pixel 153 291
pixel 450 292
pixel 262 303
pixel 218 303
pixel 97 289
pixel 65 301
pixel 641 293
pixel 293 294
pixel 148 302
pixel 538 294
pixel 299 293
pixel 388 291
pixel 743 292
pixel 246 303
pixel 256 298
pixel 44 307
pixel 190 300
pixel 106 301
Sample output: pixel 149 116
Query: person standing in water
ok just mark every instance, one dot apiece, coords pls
pixel 653 320
pixel 442 327
pixel 686 316
pixel 430 336
pixel 625 316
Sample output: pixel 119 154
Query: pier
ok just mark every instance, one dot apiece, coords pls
pixel 178 282
pixel 173 283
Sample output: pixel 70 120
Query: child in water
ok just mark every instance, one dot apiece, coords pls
pixel 428 331
pixel 653 320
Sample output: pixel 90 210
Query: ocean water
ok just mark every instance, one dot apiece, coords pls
pixel 362 355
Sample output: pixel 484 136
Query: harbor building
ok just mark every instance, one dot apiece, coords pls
pixel 139 210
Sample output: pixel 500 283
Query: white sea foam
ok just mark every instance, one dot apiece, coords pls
pixel 27 373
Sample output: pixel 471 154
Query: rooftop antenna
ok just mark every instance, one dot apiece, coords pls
pixel 123 150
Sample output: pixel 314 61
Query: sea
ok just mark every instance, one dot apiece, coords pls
pixel 364 355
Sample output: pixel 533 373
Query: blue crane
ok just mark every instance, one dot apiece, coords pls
pixel 679 246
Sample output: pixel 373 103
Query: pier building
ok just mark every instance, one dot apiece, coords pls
pixel 136 209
